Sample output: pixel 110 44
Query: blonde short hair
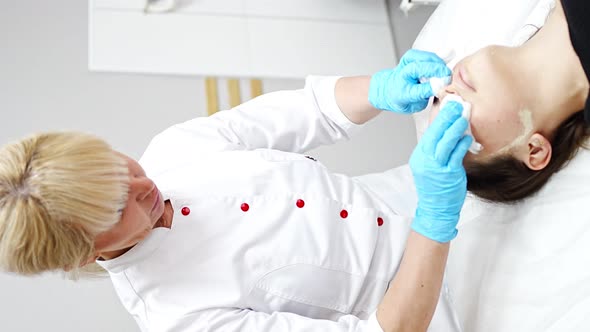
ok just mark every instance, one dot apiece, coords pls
pixel 57 192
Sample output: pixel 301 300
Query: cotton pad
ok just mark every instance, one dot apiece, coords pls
pixel 437 83
pixel 475 147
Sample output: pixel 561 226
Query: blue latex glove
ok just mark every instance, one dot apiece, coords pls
pixel 439 175
pixel 399 90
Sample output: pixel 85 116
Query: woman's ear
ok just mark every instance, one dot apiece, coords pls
pixel 539 152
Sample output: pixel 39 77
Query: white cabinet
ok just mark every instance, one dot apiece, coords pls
pixel 246 38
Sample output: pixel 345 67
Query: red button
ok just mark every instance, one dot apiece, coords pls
pixel 380 221
pixel 300 203
pixel 343 213
pixel 245 207
pixel 185 211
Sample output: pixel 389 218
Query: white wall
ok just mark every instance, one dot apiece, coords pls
pixel 407 27
pixel 45 85
pixel 262 38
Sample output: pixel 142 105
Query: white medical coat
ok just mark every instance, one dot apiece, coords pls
pixel 264 238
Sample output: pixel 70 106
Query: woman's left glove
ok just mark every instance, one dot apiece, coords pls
pixel 399 90
pixel 439 175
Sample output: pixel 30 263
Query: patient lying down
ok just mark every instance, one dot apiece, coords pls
pixel 526 111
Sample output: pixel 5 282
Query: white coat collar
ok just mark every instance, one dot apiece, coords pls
pixel 138 253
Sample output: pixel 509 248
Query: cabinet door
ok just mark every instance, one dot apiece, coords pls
pixel 245 38
pixel 359 11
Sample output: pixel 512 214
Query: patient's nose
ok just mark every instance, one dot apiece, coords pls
pixel 451 89
pixel 442 94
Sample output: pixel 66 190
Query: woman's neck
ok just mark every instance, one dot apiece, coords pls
pixel 557 83
pixel 166 218
pixel 164 221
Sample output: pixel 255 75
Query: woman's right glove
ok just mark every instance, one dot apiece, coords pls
pixel 439 175
pixel 400 90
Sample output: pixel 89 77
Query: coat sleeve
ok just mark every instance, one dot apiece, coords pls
pixel 239 320
pixel 294 121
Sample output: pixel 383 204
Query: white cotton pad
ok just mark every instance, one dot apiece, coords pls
pixel 475 147
pixel 437 83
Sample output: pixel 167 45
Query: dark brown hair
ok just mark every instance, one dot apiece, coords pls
pixel 508 180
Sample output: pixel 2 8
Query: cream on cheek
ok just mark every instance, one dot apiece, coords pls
pixel 526 121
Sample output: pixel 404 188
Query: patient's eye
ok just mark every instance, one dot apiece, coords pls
pixel 436 100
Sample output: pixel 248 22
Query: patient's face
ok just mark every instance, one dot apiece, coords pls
pixel 498 98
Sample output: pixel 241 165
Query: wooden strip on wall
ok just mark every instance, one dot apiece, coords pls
pixel 212 98
pixel 255 88
pixel 233 88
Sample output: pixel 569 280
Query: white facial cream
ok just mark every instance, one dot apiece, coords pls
pixel 526 118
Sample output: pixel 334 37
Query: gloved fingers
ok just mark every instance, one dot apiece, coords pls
pixel 413 55
pixel 413 72
pixel 449 141
pixel 420 91
pixel 457 156
pixel 445 118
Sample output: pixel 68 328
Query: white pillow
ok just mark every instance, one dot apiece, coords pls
pixel 524 267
